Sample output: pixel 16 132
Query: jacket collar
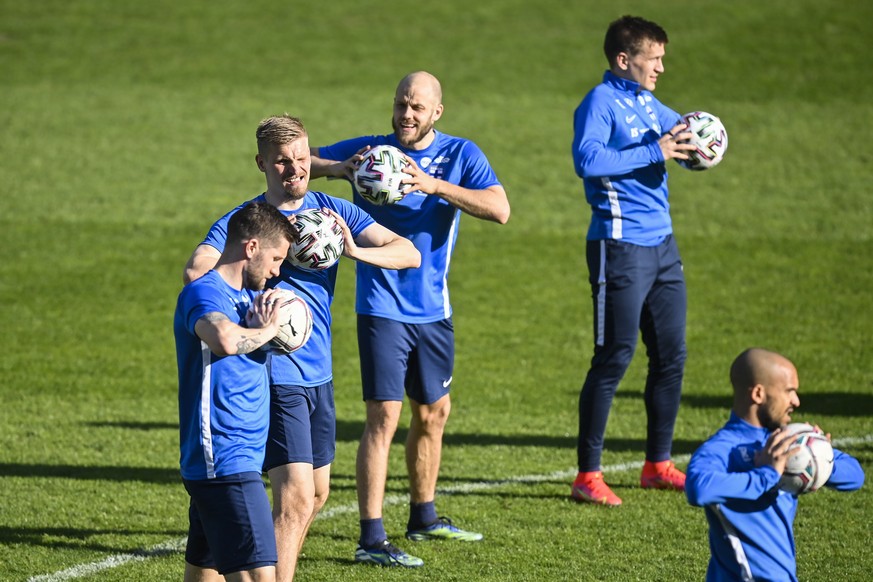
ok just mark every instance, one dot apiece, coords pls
pixel 613 80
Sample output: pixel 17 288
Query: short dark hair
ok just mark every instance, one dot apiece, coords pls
pixel 628 34
pixel 262 221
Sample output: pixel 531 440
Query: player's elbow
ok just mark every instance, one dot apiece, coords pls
pixel 409 258
pixel 695 493
pixel 414 258
pixel 501 216
pixel 499 208
pixel 196 267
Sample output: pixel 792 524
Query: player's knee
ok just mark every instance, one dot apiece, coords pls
pixel 294 505
pixel 381 426
pixel 297 513
pixel 434 418
pixel 319 501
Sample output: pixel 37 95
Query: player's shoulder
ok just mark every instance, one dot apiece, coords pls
pixel 446 139
pixel 602 97
pixel 725 436
pixel 317 199
pixel 464 148
pixel 207 284
pixel 226 216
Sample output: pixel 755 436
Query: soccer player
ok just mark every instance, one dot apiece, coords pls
pixel 405 332
pixel 224 401
pixel 302 439
pixel 735 474
pixel 623 137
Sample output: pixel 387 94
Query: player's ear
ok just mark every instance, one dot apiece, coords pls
pixel 260 162
pixel 622 61
pixel 438 112
pixel 757 393
pixel 252 246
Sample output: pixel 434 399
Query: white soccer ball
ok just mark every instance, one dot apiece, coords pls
pixel 320 240
pixel 709 137
pixel 296 324
pixel 812 462
pixel 379 176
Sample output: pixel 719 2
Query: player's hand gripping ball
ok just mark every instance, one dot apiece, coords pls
pixel 296 325
pixel 320 240
pixel 709 138
pixel 812 462
pixel 379 175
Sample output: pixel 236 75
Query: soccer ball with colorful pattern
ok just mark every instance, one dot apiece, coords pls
pixel 296 323
pixel 812 462
pixel 320 240
pixel 379 176
pixel 709 138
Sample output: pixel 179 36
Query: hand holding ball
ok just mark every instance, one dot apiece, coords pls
pixel 709 138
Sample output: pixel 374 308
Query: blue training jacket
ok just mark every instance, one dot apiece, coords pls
pixel 751 521
pixel 616 153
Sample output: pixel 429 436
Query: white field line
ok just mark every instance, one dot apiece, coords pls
pixel 176 545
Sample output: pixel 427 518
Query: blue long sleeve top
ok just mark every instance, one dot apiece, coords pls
pixel 751 521
pixel 615 150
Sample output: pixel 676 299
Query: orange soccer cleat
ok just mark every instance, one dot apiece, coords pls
pixel 662 475
pixel 590 487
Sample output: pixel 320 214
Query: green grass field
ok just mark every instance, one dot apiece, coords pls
pixel 127 128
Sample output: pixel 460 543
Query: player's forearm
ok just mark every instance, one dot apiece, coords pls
pixel 705 487
pixel 400 253
pixel 595 160
pixel 324 168
pixel 488 204
pixel 847 474
pixel 225 338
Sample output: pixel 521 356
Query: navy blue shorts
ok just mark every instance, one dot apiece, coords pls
pixel 398 358
pixel 302 426
pixel 231 525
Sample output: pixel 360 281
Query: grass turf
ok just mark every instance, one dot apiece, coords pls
pixel 128 128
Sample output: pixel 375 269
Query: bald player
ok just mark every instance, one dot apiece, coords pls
pixel 735 474
pixel 405 331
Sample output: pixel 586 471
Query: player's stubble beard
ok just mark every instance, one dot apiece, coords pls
pixel 766 419
pixel 293 193
pixel 423 131
pixel 253 276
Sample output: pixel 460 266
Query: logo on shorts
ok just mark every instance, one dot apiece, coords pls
pixel 447 382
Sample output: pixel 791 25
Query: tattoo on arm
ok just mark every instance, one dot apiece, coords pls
pixel 215 316
pixel 246 345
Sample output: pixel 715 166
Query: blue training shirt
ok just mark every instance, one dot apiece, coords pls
pixel 751 521
pixel 418 295
pixel 224 401
pixel 311 365
pixel 616 153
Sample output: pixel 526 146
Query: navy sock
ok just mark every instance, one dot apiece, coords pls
pixel 372 533
pixel 421 515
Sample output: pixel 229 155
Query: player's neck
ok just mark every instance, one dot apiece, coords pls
pixel 422 144
pixel 231 272
pixel 283 201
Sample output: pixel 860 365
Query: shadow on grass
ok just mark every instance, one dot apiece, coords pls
pixel 110 473
pixel 144 426
pixel 826 403
pixel 78 539
pixel 350 431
